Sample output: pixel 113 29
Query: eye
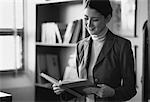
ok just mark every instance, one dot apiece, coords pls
pixel 85 18
pixel 95 19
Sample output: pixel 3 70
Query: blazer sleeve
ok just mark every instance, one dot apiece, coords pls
pixel 128 88
pixel 65 96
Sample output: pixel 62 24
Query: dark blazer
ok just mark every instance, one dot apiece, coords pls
pixel 114 66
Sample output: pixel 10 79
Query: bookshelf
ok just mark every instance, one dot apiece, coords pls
pixel 60 54
pixel 59 12
pixel 52 58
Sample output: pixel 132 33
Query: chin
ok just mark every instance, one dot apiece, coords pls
pixel 92 33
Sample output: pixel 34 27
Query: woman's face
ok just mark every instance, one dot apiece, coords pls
pixel 94 21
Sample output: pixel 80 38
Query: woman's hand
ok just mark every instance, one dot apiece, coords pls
pixel 102 90
pixel 90 90
pixel 105 91
pixel 57 89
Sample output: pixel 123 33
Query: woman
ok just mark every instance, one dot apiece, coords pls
pixel 104 58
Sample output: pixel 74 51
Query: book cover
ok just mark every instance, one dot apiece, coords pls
pixel 74 87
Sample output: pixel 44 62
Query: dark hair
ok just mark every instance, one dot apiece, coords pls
pixel 102 6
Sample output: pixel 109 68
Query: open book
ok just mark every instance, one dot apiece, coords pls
pixel 74 87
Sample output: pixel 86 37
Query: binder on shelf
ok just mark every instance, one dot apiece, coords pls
pixel 74 87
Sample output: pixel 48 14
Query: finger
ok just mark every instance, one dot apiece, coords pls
pixel 100 85
pixel 54 85
pixel 90 90
pixel 94 90
pixel 60 82
pixel 99 93
pixel 86 90
pixel 57 92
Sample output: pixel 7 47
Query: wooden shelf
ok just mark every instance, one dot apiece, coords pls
pixel 55 45
pixel 55 1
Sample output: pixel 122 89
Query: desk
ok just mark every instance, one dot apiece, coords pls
pixel 32 94
pixel 45 95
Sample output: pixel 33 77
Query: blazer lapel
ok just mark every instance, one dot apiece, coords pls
pixel 87 52
pixel 85 62
pixel 106 47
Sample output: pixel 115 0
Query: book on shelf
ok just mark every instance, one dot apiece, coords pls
pixel 58 35
pixel 49 64
pixel 76 31
pixel 74 87
pixel 52 65
pixel 50 32
pixel 69 32
pixel 73 31
pixel 62 28
pixel 70 72
pixel 41 66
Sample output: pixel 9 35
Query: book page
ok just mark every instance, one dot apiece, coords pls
pixel 73 81
pixel 50 79
pixel 76 83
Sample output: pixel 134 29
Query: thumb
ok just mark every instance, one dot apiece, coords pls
pixel 100 85
pixel 60 82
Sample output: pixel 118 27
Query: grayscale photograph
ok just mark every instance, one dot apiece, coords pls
pixel 75 51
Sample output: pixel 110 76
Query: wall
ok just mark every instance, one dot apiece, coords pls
pixel 29 28
pixel 142 13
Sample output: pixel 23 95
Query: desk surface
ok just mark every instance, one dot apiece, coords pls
pixel 2 94
pixel 5 97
